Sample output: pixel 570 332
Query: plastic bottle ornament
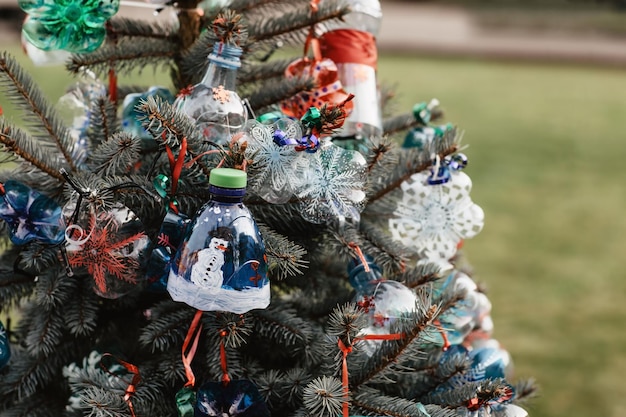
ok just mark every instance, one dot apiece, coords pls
pixel 131 118
pixel 30 215
pixel 508 410
pixel 459 321
pixel 215 107
pixel 384 301
pixel 332 188
pixel 422 137
pixel 276 163
pixel 351 44
pixel 328 87
pixel 39 57
pixel 424 111
pixel 74 25
pixel 221 263
pixel 237 398
pixel 433 219
pixel 169 238
pixel 108 245
pixel 485 363
pixel 5 349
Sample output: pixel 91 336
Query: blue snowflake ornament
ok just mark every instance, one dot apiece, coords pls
pixel 332 188
pixel 276 163
pixel 30 215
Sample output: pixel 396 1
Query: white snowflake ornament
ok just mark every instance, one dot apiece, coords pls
pixel 274 171
pixel 332 188
pixel 433 219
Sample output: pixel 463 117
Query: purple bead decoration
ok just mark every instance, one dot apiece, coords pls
pixel 30 215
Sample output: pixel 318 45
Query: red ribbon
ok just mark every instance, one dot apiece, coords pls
pixel 345 46
pixel 345 350
pixel 223 359
pixel 130 390
pixel 359 253
pixel 176 165
pixel 112 85
pixel 195 328
pixel 444 336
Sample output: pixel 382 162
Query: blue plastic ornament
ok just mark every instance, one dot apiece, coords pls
pixel 170 235
pixel 239 398
pixel 5 349
pixel 384 301
pixel 485 363
pixel 131 117
pixel 221 263
pixel 30 215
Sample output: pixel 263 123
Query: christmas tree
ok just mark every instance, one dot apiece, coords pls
pixel 262 238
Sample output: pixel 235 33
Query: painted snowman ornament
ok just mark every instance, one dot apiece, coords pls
pixel 207 272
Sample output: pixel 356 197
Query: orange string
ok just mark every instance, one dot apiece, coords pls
pixel 444 336
pixel 130 390
pixel 176 165
pixel 223 359
pixel 345 350
pixel 359 253
pixel 195 328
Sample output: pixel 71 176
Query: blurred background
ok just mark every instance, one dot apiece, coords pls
pixel 538 88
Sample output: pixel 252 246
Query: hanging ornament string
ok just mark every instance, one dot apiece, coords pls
pixel 223 358
pixel 132 384
pixel 176 166
pixel 345 350
pixel 112 74
pixel 444 335
pixel 359 253
pixel 193 333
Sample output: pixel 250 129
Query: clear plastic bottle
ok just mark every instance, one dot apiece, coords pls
pixel 213 104
pixel 221 263
pixel 351 44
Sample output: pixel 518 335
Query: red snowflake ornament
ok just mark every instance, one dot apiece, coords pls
pixel 110 254
pixel 221 95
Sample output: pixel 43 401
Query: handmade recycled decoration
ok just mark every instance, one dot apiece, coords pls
pixel 74 25
pixel 435 213
pixel 237 398
pixel 351 44
pixel 221 263
pixel 213 104
pixel 31 216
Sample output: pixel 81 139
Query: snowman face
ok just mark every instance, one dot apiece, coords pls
pixel 219 244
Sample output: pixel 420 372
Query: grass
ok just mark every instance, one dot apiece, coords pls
pixel 546 146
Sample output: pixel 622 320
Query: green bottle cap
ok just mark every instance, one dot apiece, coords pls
pixel 228 178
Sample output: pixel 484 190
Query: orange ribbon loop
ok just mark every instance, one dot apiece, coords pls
pixel 359 253
pixel 193 333
pixel 176 165
pixel 344 377
pixel 131 389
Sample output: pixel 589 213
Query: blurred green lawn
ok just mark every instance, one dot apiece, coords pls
pixel 546 153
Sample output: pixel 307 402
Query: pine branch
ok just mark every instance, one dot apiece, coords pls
pixel 254 72
pixel 45 333
pixel 293 24
pixel 53 290
pixel 25 147
pixel 117 155
pixel 406 121
pixel 38 114
pixel 102 121
pixel 282 325
pixel 121 27
pixel 285 258
pixel 410 162
pixel 369 401
pixel 275 91
pixel 419 275
pixel 81 315
pixel 13 285
pixel 484 391
pixel 125 56
pixel 166 327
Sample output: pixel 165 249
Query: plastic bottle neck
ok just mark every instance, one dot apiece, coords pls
pixel 223 65
pixel 227 195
